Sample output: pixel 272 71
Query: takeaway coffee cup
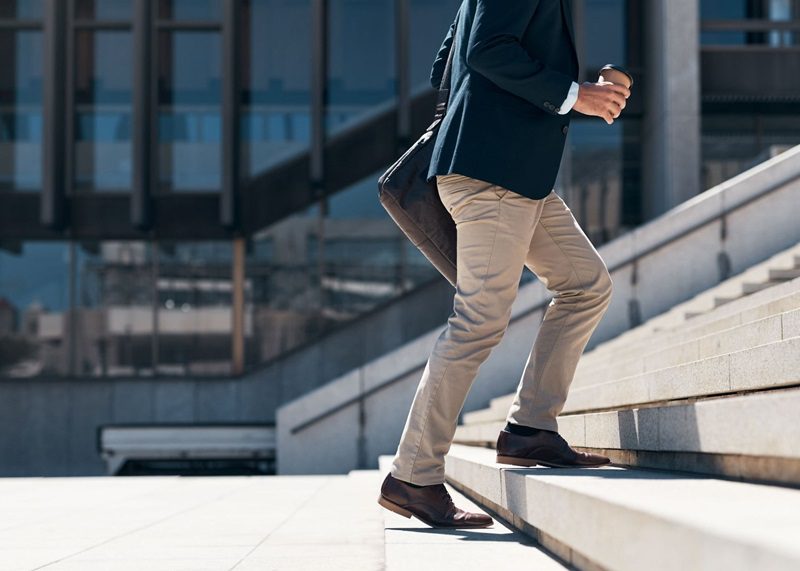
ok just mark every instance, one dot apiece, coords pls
pixel 616 74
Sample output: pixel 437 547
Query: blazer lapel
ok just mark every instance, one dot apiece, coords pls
pixel 567 13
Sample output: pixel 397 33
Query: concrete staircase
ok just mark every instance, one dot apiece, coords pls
pixel 688 286
pixel 699 410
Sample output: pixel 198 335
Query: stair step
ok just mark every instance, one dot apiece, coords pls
pixel 750 288
pixel 718 301
pixel 692 348
pixel 766 366
pixel 668 324
pixel 761 304
pixel 731 287
pixel 784 274
pixel 414 546
pixel 631 519
pixel 723 436
pixel 790 327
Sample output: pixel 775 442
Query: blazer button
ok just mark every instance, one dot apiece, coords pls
pixel 564 129
pixel 548 104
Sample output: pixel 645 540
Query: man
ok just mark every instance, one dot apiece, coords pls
pixel 495 159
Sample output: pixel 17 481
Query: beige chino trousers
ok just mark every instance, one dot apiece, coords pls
pixel 499 232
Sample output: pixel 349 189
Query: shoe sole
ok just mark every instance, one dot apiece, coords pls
pixel 516 461
pixel 390 505
pixel 528 462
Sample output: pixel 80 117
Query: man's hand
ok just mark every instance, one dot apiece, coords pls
pixel 602 99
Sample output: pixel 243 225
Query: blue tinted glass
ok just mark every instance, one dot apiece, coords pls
pixel 609 45
pixel 189 111
pixel 22 9
pixel 782 10
pixel 723 9
pixel 429 22
pixel 34 303
pixel 361 52
pixel 722 37
pixel 194 308
pixel 104 9
pixel 276 48
pixel 733 143
pixel 103 110
pixel 114 286
pixel 366 261
pixel 20 110
pixel 594 171
pixel 189 9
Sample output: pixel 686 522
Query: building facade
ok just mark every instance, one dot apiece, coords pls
pixel 188 187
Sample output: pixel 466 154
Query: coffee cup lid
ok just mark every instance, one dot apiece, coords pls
pixel 617 68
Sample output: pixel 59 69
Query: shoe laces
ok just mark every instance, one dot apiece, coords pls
pixel 445 495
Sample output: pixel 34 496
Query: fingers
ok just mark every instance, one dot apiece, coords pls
pixel 617 105
pixel 621 89
pixel 616 102
pixel 612 100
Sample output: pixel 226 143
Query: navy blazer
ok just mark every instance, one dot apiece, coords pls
pixel 514 63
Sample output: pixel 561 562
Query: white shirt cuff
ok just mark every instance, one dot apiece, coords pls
pixel 572 97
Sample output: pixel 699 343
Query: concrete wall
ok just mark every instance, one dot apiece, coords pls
pixel 363 427
pixel 49 427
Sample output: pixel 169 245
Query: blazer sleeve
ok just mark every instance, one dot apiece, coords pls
pixel 437 71
pixel 494 50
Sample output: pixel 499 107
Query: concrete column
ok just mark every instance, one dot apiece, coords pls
pixel 671 125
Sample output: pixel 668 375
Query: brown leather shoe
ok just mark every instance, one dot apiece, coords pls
pixel 429 504
pixel 547 448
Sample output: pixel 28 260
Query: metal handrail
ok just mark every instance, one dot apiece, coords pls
pixel 631 259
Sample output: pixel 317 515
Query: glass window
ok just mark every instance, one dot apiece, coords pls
pixel 34 309
pixel 781 10
pixel 103 95
pixel 20 9
pixel 301 284
pixel 104 9
pixel 114 316
pixel 723 9
pixel 21 61
pixel 276 74
pixel 732 143
pixel 110 309
pixel 194 308
pixel 429 22
pixel 189 9
pixel 610 46
pixel 189 95
pixel 360 32
pixel 596 178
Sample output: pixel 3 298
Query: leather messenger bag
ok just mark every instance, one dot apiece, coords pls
pixel 413 203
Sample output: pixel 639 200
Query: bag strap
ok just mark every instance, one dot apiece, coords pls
pixel 444 92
